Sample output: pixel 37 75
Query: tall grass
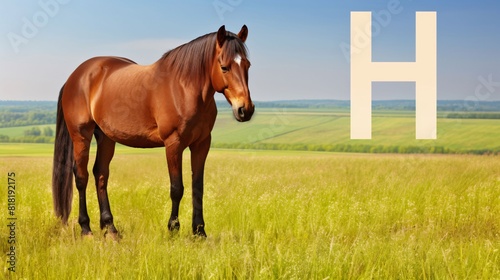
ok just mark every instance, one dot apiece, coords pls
pixel 273 215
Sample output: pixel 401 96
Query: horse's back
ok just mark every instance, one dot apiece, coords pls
pixel 87 78
pixel 89 73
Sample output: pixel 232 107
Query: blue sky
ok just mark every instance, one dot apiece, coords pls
pixel 295 46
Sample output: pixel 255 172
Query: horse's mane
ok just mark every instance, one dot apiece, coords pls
pixel 192 61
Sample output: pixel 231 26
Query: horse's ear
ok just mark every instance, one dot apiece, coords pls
pixel 221 36
pixel 243 33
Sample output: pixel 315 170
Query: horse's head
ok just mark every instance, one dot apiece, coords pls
pixel 230 72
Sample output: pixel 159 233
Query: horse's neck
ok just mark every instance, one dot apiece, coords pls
pixel 202 87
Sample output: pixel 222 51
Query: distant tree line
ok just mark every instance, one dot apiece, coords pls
pixel 27 113
pixel 13 119
pixel 398 105
pixel 475 115
pixel 354 148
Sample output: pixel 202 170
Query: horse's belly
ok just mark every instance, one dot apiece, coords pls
pixel 132 134
pixel 140 142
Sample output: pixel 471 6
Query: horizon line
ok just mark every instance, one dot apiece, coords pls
pixel 287 100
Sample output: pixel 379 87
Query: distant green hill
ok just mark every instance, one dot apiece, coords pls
pixel 329 130
pixel 317 125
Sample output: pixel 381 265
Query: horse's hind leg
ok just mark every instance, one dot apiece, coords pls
pixel 81 148
pixel 105 152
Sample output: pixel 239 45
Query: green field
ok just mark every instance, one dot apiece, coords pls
pixel 329 130
pixel 18 131
pixel 269 215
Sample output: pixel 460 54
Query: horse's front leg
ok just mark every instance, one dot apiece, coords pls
pixel 174 160
pixel 199 152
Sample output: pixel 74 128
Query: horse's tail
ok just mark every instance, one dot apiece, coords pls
pixel 62 172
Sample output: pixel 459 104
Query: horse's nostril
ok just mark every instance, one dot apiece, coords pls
pixel 241 112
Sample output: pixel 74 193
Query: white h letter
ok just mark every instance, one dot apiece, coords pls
pixel 422 72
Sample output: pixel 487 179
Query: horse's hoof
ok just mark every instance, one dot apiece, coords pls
pixel 199 231
pixel 174 225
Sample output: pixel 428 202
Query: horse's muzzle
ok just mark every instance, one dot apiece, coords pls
pixel 244 113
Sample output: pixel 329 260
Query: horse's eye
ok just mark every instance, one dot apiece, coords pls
pixel 224 69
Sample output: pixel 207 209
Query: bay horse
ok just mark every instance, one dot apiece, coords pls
pixel 167 104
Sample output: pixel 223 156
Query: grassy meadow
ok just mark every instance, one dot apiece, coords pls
pixel 269 215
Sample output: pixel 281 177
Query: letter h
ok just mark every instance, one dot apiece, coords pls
pixel 422 72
